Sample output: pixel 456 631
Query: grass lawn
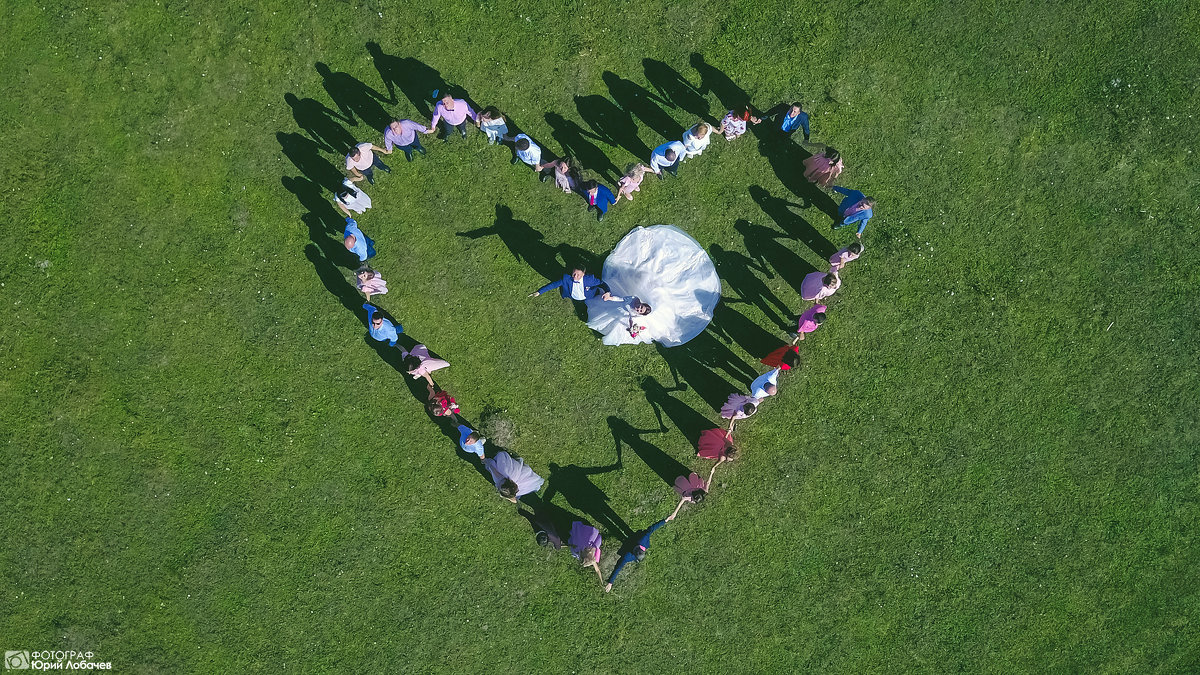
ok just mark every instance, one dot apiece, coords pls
pixel 987 461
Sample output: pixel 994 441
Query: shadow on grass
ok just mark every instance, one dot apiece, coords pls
pixel 696 363
pixel 685 418
pixel 737 270
pixel 637 100
pixel 528 245
pixel 673 88
pixel 305 154
pixel 733 326
pixel 322 124
pixel 763 245
pixel 355 100
pixel 575 484
pixel 416 80
pixel 667 467
pixel 574 142
pixel 612 125
pixel 780 211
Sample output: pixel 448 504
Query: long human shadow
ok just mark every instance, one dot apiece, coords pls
pixel 637 100
pixel 321 216
pixel 528 245
pixel 574 142
pixel 685 418
pixel 305 154
pixel 716 82
pixel 321 123
pixel 763 244
pixel 672 87
pixel 796 226
pixel 624 434
pixel 697 362
pixel 355 99
pixel 416 80
pixel 734 327
pixel 737 270
pixel 544 515
pixel 612 124
pixel 575 484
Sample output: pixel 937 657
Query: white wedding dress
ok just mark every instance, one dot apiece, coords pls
pixel 665 268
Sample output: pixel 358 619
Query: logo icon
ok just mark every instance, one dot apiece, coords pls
pixel 16 660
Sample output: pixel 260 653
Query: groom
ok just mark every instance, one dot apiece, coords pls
pixel 576 285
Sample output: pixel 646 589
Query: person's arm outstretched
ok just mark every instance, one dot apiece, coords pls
pixel 680 506
pixel 714 470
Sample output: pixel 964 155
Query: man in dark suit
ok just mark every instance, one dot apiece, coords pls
pixel 575 285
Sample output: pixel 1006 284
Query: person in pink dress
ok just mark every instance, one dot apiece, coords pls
pixel 631 182
pixel 738 407
pixel 810 320
pixel 845 255
pixel 419 363
pixel 817 286
pixel 716 444
pixel 691 489
pixel 369 282
pixel 824 166
pixel 585 541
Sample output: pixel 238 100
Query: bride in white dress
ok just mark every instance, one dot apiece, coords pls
pixel 663 285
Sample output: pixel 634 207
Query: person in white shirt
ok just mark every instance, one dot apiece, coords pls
pixel 350 198
pixel 528 152
pixel 362 160
pixel 667 156
pixel 696 139
pixel 576 285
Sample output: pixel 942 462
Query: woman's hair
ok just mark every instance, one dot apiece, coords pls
pixel 639 554
pixel 523 144
pixel 741 112
pixel 589 185
pixel 647 306
pixel 588 555
pixel 371 274
pixel 855 248
pixel 832 155
pixel 790 358
pixel 491 113
pixel 343 196
pixel 701 128
pixel 411 362
pixel 749 409
pixel 732 453
pixel 819 318
pixel 508 489
pixel 829 280
pixel 698 496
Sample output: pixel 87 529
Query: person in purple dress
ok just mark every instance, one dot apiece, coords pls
pixel 584 541
pixel 691 489
pixel 512 477
pixel 717 444
pixel 738 407
pixel 817 286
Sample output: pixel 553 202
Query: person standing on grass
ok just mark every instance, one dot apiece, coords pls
pixel 528 152
pixel 356 242
pixel 845 255
pixel 380 328
pixel 785 358
pixel 452 113
pixel 350 198
pixel 362 160
pixel 576 285
pixel 419 363
pixel 765 385
pixel 717 444
pixel 820 285
pixel 631 182
pixel 809 321
pixel 369 282
pixel 599 197
pixel 403 134
pixel 666 157
pixel 471 441
pixel 512 477
pixel 565 176
pixel 440 403
pixel 492 124
pixel 738 407
pixel 637 551
pixel 788 118
pixel 585 541
pixel 855 208
pixel 824 166
pixel 691 489
pixel 696 139
pixel 734 123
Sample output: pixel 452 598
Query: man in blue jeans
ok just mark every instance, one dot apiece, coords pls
pixel 362 160
pixel 636 552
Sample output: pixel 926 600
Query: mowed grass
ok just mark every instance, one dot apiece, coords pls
pixel 987 462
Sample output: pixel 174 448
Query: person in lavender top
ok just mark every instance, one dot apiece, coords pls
pixel 420 363
pixel 817 286
pixel 855 208
pixel 403 134
pixel 452 113
pixel 512 477
pixel 637 551
pixel 585 545
pixel 356 242
pixel 380 328
pixel 845 255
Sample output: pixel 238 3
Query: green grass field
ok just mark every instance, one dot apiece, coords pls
pixel 987 462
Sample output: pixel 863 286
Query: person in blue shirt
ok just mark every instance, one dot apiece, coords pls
pixel 599 197
pixel 789 118
pixel 471 441
pixel 380 328
pixel 855 208
pixel 576 285
pixel 636 552
pixel 356 242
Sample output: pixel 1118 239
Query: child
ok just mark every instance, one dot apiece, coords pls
pixel 631 182
pixel 351 198
pixel 442 404
pixel 809 321
pixel 369 282
pixel 845 255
